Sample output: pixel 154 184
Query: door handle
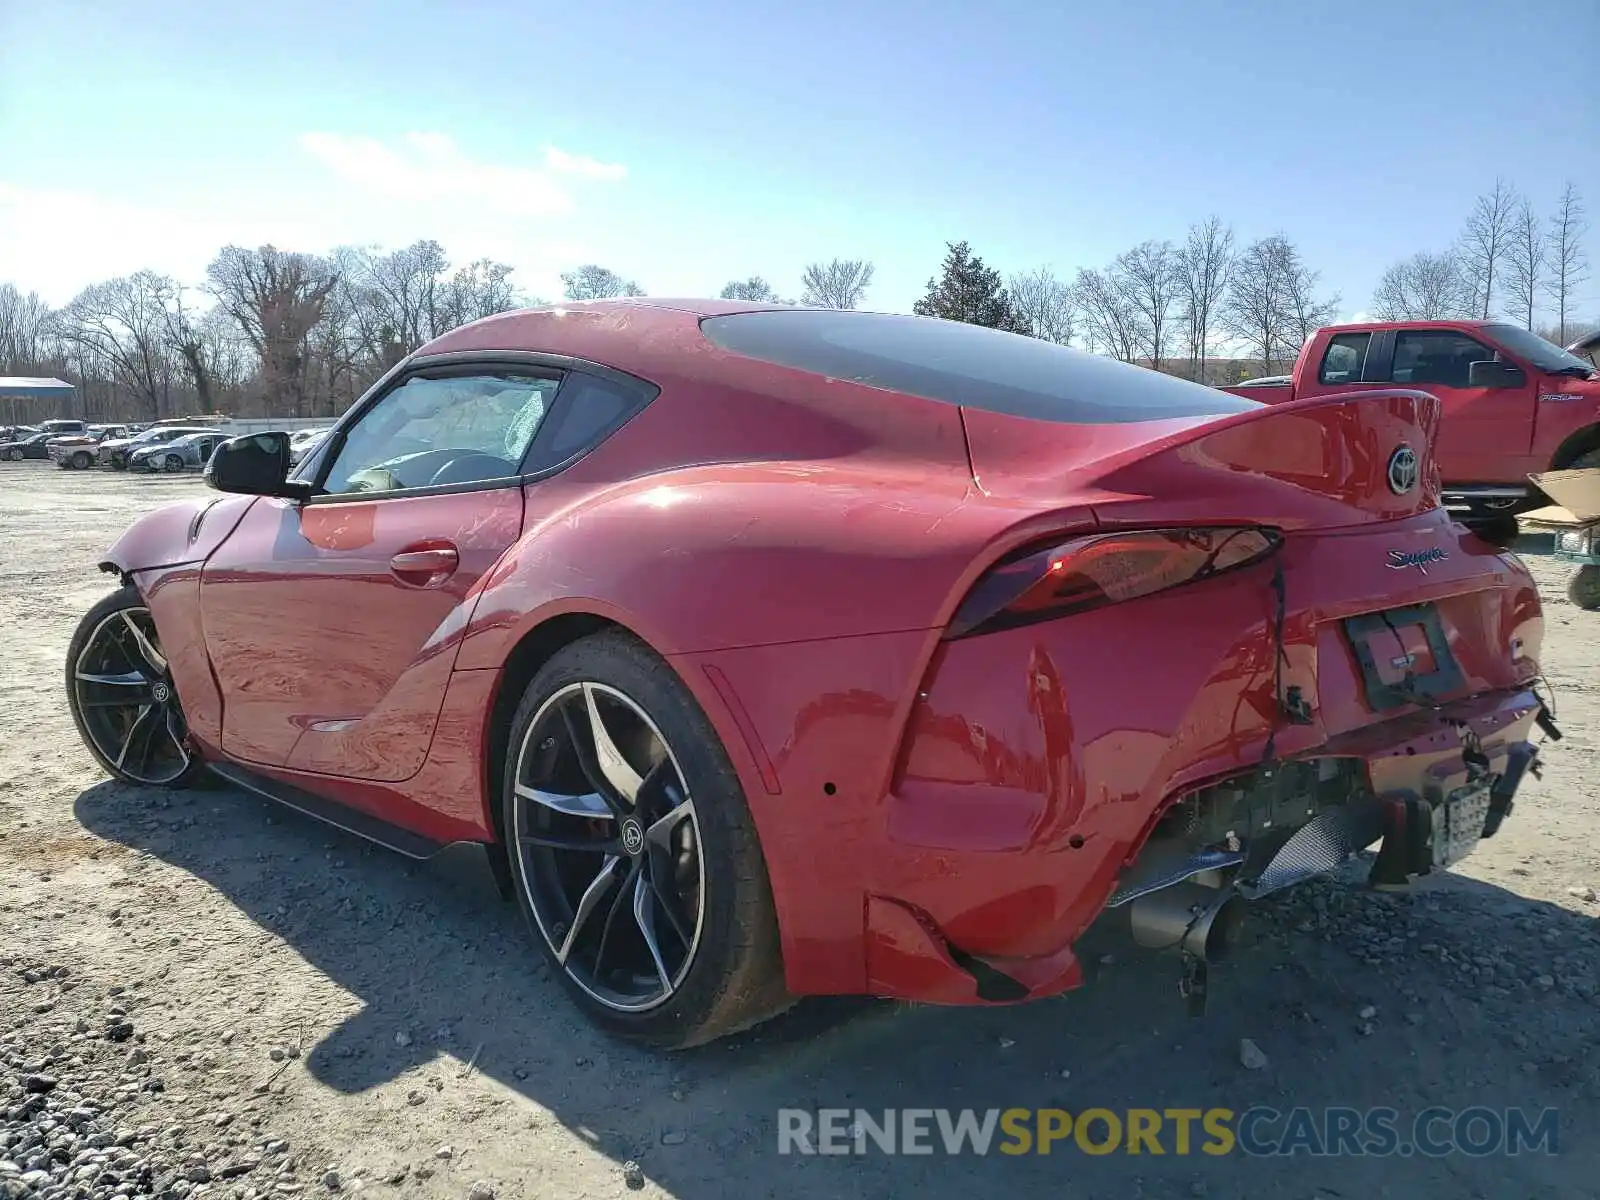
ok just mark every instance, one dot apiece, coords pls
pixel 425 567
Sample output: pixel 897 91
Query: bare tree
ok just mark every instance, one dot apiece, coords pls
pixel 194 342
pixel 1110 317
pixel 480 289
pixel 1203 264
pixel 755 289
pixel 1525 263
pixel 402 287
pixel 1150 276
pixel 1485 243
pixel 1044 302
pixel 276 298
pixel 594 282
pixel 1569 265
pixel 1258 307
pixel 25 331
pixel 1307 313
pixel 121 325
pixel 1424 287
pixel 839 283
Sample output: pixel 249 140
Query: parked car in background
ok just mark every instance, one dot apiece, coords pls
pixel 775 652
pixel 63 428
pixel 32 446
pixel 80 451
pixel 115 452
pixel 303 442
pixel 15 433
pixel 1513 404
pixel 178 454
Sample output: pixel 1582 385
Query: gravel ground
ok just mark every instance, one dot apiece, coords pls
pixel 203 995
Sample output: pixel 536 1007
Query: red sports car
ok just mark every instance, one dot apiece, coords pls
pixel 776 651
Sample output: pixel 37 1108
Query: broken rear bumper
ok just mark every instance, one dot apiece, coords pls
pixel 1040 898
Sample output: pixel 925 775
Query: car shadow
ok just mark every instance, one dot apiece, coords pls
pixel 447 980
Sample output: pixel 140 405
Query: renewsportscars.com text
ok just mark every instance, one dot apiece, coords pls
pixel 1258 1130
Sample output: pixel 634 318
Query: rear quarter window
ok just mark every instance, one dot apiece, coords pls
pixel 969 365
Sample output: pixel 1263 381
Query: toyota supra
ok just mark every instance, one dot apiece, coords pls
pixel 770 651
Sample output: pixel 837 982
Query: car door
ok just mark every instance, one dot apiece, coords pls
pixel 1486 433
pixel 329 621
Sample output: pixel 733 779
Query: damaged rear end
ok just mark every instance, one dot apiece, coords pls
pixel 1208 667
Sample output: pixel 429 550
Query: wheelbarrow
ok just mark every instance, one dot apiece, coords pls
pixel 1575 521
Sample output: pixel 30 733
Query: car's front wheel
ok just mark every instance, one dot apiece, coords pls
pixel 81 461
pixel 15 455
pixel 174 464
pixel 633 852
pixel 122 697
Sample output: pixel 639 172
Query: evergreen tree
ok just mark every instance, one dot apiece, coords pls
pixel 971 292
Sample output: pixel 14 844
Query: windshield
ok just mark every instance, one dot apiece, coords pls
pixel 1547 356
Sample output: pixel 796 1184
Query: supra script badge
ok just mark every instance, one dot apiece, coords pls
pixel 1399 560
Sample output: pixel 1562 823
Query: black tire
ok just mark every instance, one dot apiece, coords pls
pixel 119 464
pixel 732 975
pixel 81 461
pixel 173 464
pixel 1584 461
pixel 1583 589
pixel 169 760
pixel 15 455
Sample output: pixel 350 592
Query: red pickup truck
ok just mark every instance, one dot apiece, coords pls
pixel 1514 404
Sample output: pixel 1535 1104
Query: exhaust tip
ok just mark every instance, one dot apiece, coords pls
pixel 1202 921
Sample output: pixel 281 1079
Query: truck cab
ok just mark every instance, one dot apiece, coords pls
pixel 1513 403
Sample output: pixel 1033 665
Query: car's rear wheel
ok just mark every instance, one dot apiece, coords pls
pixel 1583 589
pixel 122 697
pixel 633 852
pixel 81 461
pixel 174 464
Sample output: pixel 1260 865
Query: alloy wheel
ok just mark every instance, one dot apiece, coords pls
pixel 608 847
pixel 174 463
pixel 124 695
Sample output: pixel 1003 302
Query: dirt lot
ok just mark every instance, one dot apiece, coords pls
pixel 233 1000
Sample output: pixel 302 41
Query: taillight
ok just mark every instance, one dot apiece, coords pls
pixel 1091 572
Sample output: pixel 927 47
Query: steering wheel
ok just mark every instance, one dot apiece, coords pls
pixel 472 466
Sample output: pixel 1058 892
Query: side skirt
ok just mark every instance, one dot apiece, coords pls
pixel 363 825
pixel 473 858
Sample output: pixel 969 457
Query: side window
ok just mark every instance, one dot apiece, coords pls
pixel 1342 361
pixel 590 408
pixel 1436 356
pixel 456 428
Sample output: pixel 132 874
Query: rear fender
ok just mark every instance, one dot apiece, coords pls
pixel 718 557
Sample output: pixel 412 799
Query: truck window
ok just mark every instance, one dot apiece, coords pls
pixel 1436 356
pixel 1342 361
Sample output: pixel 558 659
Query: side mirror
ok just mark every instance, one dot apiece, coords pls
pixel 255 465
pixel 1493 373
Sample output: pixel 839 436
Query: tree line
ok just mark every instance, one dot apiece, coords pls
pixel 283 333
pixel 1506 261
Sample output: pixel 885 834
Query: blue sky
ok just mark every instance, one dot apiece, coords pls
pixel 684 144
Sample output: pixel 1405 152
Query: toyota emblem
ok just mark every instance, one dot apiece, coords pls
pixel 1403 470
pixel 632 836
